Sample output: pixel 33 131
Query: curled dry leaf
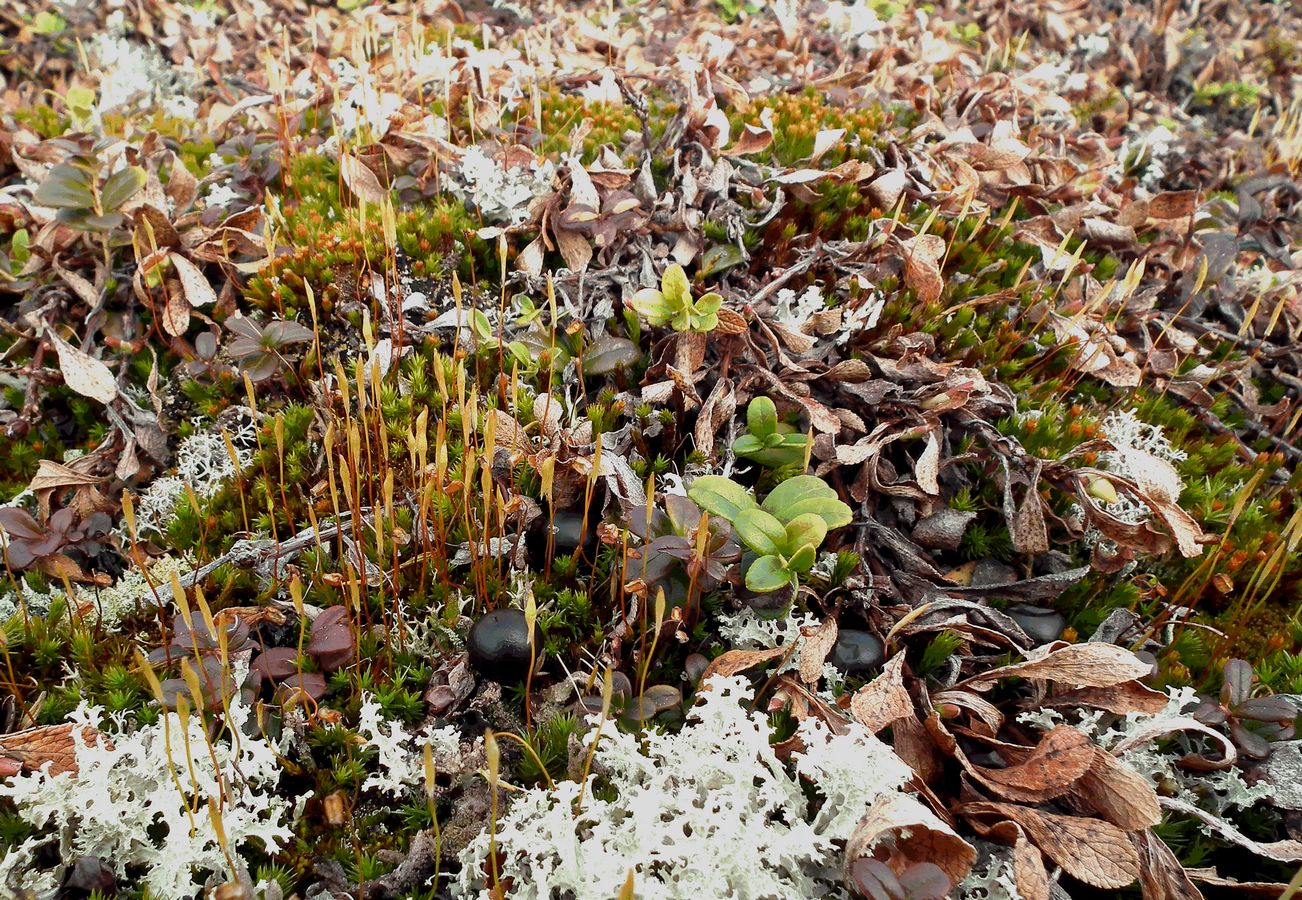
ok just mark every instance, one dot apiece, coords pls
pixel 753 139
pixel 1118 793
pixel 1052 767
pixel 735 661
pixel 813 652
pixel 82 372
pixel 360 179
pixel 928 465
pixel 198 292
pixel 1090 850
pixel 883 700
pixel 922 266
pixel 1087 665
pixel 1258 890
pixel 910 833
pixel 1127 697
pixel 1165 725
pixel 53 744
pixel 1160 874
pixel 1028 864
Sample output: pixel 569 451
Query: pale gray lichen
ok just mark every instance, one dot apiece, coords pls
pixel 132 803
pixel 708 812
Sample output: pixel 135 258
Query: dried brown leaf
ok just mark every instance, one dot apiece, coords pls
pixel 361 180
pixel 1053 766
pixel 1286 851
pixel 883 700
pixel 753 139
pixel 922 266
pixel 1118 793
pixel 815 649
pixel 196 287
pixel 1090 850
pixel 1127 697
pixel 1088 665
pixel 734 661
pixel 84 373
pixel 54 744
pixel 1160 874
pixel 914 834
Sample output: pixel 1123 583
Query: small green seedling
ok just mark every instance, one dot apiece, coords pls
pixel 784 532
pixel 769 442
pixel 672 304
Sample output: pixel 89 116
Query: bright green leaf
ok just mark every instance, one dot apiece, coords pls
pixel 651 305
pixel 720 496
pixel 675 286
pixel 760 531
pixel 709 304
pixel 803 559
pixel 762 417
pixel 767 574
pixel 808 528
pixel 807 494
pixel 747 444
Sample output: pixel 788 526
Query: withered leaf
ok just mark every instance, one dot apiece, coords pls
pixel 753 139
pixel 1127 697
pixel 884 699
pixel 360 179
pixel 51 475
pixel 815 648
pixel 1053 766
pixel 1028 864
pixel 1160 874
pixel 34 747
pixel 1118 793
pixel 84 373
pixel 1088 665
pixel 915 834
pixel 1287 851
pixel 734 661
pixel 196 287
pixel 1090 850
pixel 922 266
pixel 928 465
pixel 1172 204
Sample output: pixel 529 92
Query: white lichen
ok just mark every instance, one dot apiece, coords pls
pixel 794 310
pixel 400 753
pixel 204 463
pixel 708 812
pixel 149 801
pixel 500 194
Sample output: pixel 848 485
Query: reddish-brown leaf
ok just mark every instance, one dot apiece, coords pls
pixel 1160 874
pixel 1090 850
pixel 54 744
pixel 734 661
pixel 1056 763
pixel 1118 793
pixel 914 834
pixel 1087 665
